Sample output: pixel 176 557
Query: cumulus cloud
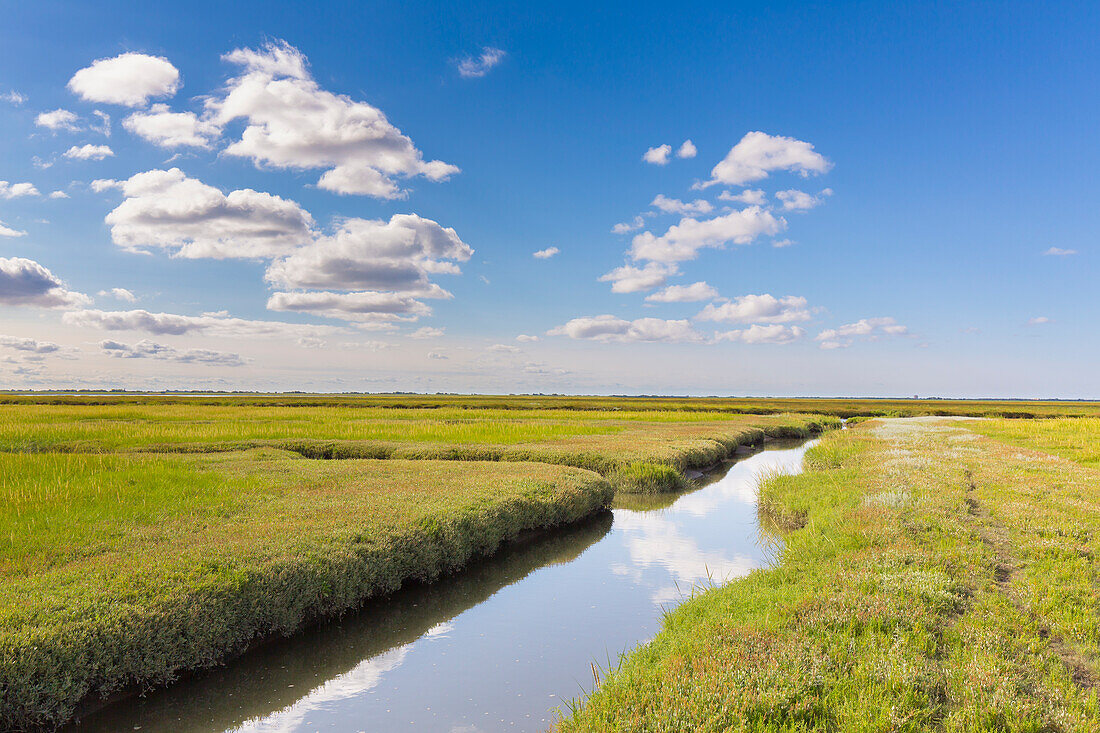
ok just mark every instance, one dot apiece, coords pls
pixel 13 97
pixel 683 294
pixel 59 195
pixel 25 282
pixel 658 155
pixel 628 226
pixel 545 254
pixel 371 254
pixel 29 345
pixel 631 279
pixel 437 355
pixel 676 206
pixel 1038 321
pixel 291 122
pixel 682 241
pixel 686 150
pixel 475 67
pixel 118 294
pixel 89 152
pixel 758 154
pixel 524 338
pixel 505 349
pixel 168 210
pixel 795 200
pixel 869 329
pixel 757 334
pixel 6 231
pixel 17 190
pixel 58 119
pixel 426 332
pixel 609 328
pixel 763 308
pixel 1059 252
pixel 781 243
pixel 750 196
pixel 104 126
pixel 129 79
pixel 168 129
pixel 367 307
pixel 171 324
pixel 146 349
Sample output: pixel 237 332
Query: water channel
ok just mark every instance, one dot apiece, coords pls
pixel 500 646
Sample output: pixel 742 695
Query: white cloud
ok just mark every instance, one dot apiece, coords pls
pixel 371 254
pixel 426 332
pixel 307 342
pixel 59 195
pixel 658 155
pixel 118 294
pixel 757 154
pixel 676 206
pixel 146 349
pixel 624 227
pixel 58 119
pixel 526 339
pixel 293 123
pixel 505 349
pixel 750 196
pixel 366 307
pixel 168 129
pixel 764 308
pixel 866 328
pixel 545 254
pixel 104 126
pixel 1038 321
pixel 1059 252
pixel 683 240
pixel 16 190
pixel 437 355
pixel 683 294
pixel 610 328
pixel 89 152
pixel 687 150
pixel 13 97
pixel 29 345
pixel 474 67
pixel 757 334
pixel 795 200
pixel 129 79
pixel 6 231
pixel 210 324
pixel 100 185
pixel 780 243
pixel 25 282
pixel 631 279
pixel 166 209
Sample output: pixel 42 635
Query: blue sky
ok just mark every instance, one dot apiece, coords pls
pixel 940 152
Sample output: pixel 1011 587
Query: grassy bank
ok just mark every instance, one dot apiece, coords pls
pixel 930 579
pixel 639 451
pixel 122 570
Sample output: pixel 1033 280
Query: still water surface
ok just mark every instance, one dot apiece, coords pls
pixel 497 647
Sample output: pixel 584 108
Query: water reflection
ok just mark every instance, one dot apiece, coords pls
pixel 498 646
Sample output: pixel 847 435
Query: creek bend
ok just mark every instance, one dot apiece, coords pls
pixel 498 646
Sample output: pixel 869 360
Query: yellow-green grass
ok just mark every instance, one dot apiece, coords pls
pixel 840 407
pixel 639 451
pixel 122 570
pixel 930 579
pixel 1077 439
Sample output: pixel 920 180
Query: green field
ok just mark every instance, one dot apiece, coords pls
pixel 138 541
pixel 932 578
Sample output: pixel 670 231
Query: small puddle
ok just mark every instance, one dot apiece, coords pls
pixel 499 646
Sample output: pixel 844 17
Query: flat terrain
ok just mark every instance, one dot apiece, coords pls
pixel 138 541
pixel 932 578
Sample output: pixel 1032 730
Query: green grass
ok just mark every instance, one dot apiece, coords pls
pixel 122 570
pixel 1077 439
pixel 643 451
pixel 930 579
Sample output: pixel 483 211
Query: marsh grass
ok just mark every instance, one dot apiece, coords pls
pixel 940 581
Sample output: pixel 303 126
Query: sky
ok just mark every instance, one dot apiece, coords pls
pixel 758 199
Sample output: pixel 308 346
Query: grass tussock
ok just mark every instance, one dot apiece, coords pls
pixel 124 570
pixel 939 581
